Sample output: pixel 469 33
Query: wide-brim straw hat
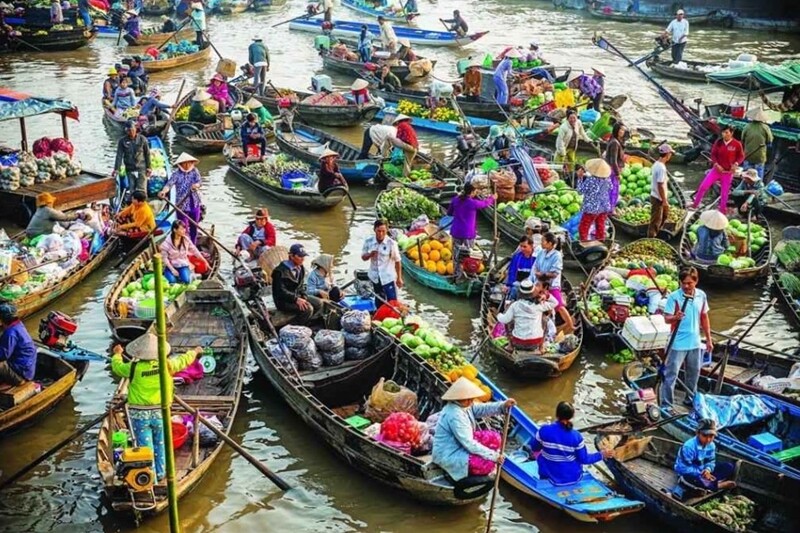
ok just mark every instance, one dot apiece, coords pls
pixel 400 118
pixel 513 53
pixel 196 5
pixel 145 348
pixel 359 84
pixel 713 219
pixel 599 72
pixel 186 158
pixel 327 152
pixel 598 168
pixel 45 198
pixel 404 42
pixel 253 104
pixel 201 95
pixel 751 174
pixel 574 75
pixel 757 115
pixel 463 389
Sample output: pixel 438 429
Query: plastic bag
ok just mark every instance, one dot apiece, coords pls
pixel 334 358
pixel 274 349
pixel 295 336
pixel 328 340
pixel 388 397
pixel 357 340
pixel 356 354
pixel 356 322
pixel 478 466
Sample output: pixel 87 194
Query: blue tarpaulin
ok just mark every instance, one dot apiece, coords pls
pixel 729 411
pixel 15 105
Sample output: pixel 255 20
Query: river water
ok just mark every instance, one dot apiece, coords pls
pixel 63 494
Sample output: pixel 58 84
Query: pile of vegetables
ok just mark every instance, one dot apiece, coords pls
pixel 29 170
pixel 734 512
pixel 538 100
pixel 637 215
pixel 440 114
pixel 791 283
pixel 737 230
pixel 143 290
pixel 272 169
pixel 182 115
pixel 401 427
pixel 421 175
pixel 623 357
pixel 788 253
pixel 173 50
pixel 400 206
pixel 634 192
pixel 557 204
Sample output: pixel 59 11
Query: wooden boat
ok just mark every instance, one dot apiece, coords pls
pixel 324 399
pixel 732 440
pixel 273 94
pixel 319 115
pixel 128 327
pixel 52 41
pixel 306 143
pixel 233 7
pixel 472 108
pixel 443 186
pixel 479 126
pixel 346 28
pixel 56 377
pixel 651 18
pixel 647 474
pixel 777 269
pixel 212 317
pixel 439 282
pixel 118 124
pixel 368 9
pixel 156 8
pixel 300 198
pixel 154 37
pixel 520 363
pixel 694 70
pixel 716 273
pixel 185 128
pixel 175 62
pixel 787 208
pixel 401 69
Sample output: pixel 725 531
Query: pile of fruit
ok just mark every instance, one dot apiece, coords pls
pixel 440 114
pixel 182 115
pixel 637 215
pixel 634 192
pixel 623 357
pixel 401 427
pixel 737 513
pixel 422 176
pixel 736 230
pixel 143 291
pixel 400 206
pixel 273 168
pixel 173 50
pixel 432 346
pixel 433 255
pixel 557 204
pixel 538 100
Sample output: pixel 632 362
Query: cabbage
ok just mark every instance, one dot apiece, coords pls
pixel 724 260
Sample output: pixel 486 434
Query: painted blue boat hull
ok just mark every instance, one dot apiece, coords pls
pixel 351 4
pixel 108 32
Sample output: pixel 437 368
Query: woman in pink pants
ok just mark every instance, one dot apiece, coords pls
pixel 726 155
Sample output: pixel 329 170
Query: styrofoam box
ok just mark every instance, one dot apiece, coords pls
pixel 639 332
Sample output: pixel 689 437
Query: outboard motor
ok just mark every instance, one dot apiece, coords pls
pixel 56 329
pixel 642 406
pixel 246 283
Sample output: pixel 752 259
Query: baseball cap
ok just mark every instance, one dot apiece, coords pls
pixel 665 149
pixel 707 426
pixel 298 250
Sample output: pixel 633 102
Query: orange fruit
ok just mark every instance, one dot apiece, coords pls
pixel 481 268
pixel 430 266
pixel 434 255
pixel 425 257
pixel 436 245
pixel 413 253
pixel 426 248
pixel 450 268
pixel 447 255
pixel 441 268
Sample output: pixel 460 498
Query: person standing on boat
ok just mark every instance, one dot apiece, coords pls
pixel 17 350
pixel 364 44
pixel 726 155
pixel 288 287
pixel 457 24
pixel 258 56
pixel 385 138
pixel 56 14
pixel 133 25
pixel 562 452
pixel 687 312
pixel 520 266
pixel 186 180
pixel 258 236
pixel 454 440
pixel 547 268
pixel 751 193
pixel 329 174
pixel 500 76
pixel 696 462
pixel 570 133
pixel 176 250
pixel 596 190
pixel 615 157
pixel 46 217
pixel 388 37
pixel 678 32
pixel 168 25
pixel 110 87
pixel 590 87
pixel 137 220
pixel 385 264
pixel 756 138
pixel 599 78
pixel 144 392
pixel 83 12
pixel 326 7
pixel 659 195
pixel 527 315
pixel 198 16
pixel 134 151
pixel 473 80
pixel 464 210
pixel 407 135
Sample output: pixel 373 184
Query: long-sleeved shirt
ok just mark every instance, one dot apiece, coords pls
pixel 219 92
pixel 503 69
pixel 406 133
pixel 56 15
pixel 472 82
pixel 257 52
pixel 266 234
pixel 177 256
pixel 726 154
pixel 134 153
pixel 551 262
pixel 198 20
pixel 568 137
pixel 745 186
pixel 527 317
pixel 317 282
pixel 17 347
pixel 520 267
pixel 124 98
pixel 615 156
pixel 330 176
pixel 596 195
pixel 287 285
pixel 756 137
pixel 693 458
pixel 247 130
pixel 144 389
pixel 151 104
pixel 384 137
pixel 678 30
pixel 183 182
pixel 457 24
pixel 44 219
pixel 710 244
pixel 464 211
pixel 454 441
pixel 589 86
pixel 388 37
pixel 562 453
pixel 142 215
pixel 133 27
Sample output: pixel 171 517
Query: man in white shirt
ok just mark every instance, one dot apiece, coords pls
pixel 388 37
pixel 678 31
pixel 326 6
pixel 385 266
pixel 659 201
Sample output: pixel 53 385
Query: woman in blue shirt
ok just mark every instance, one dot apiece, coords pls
pixel 17 351
pixel 712 241
pixel 520 266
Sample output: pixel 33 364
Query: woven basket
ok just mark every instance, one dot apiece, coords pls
pixel 270 259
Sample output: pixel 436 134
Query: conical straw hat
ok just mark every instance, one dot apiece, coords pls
pixel 713 219
pixel 598 168
pixel 463 389
pixel 145 347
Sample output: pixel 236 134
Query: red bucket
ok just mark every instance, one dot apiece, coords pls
pixel 179 435
pixel 737 111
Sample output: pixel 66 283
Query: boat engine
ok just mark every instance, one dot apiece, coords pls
pixel 642 406
pixel 55 330
pixel 135 468
pixel 246 282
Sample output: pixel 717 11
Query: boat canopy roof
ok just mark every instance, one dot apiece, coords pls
pixel 14 105
pixel 769 77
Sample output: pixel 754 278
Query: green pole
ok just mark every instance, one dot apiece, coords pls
pixel 164 377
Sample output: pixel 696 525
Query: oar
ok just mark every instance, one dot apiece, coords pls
pixel 460 46
pixel 506 423
pixel 724 362
pixel 15 274
pixel 205 34
pixel 174 109
pixel 754 345
pixel 26 43
pixel 49 453
pixel 275 478
pixel 303 17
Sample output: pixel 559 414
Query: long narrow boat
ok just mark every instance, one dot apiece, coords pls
pixel 154 37
pixel 53 41
pixel 785 207
pixel 693 71
pixel 319 115
pixel 185 128
pixel 175 62
pixel 782 421
pixel 651 18
pixel 300 198
pixel 717 273
pixel 213 318
pixel 443 184
pixel 346 28
pixel 647 474
pixel 325 399
pixel 125 326
pixel 306 144
pixel 452 128
pixel 118 124
pixel 56 377
pixel 524 364
pixel 441 282
pixel 402 69
pixel 479 108
pixel 781 275
pixel 367 8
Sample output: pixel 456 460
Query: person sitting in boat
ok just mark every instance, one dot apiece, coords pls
pixel 364 46
pixel 151 106
pixel 388 36
pixel 388 80
pixel 56 12
pixel 198 112
pixel 360 91
pixel 176 250
pixel 520 266
pixel 320 280
pixel 168 25
pixel 218 89
pixel 527 314
pixel 253 134
pixel 547 268
pixel 457 24
pixel 133 25
pixel 404 51
pixel 144 391
pixel 473 80
pixel 137 220
pixel 110 86
pixel 712 240
pixel 258 236
pixel 534 52
pixel 562 452
pixel 329 174
pixel 588 86
pixel 263 116
pixel 288 287
pixel 124 97
pixel 46 217
pixel 750 194
pixel 595 187
pixel 454 440
pixel 137 72
pixel 17 350
pixel 696 462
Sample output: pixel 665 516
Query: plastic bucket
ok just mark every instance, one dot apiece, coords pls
pixel 179 435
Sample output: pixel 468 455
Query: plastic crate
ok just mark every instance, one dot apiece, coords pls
pixel 358 303
pixel 766 442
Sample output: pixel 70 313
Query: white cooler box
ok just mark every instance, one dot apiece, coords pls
pixel 646 332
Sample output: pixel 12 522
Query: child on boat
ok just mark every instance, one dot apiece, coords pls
pixel 696 461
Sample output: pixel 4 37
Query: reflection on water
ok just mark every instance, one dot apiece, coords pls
pixel 62 494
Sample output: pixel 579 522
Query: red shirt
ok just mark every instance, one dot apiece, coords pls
pixel 406 133
pixel 725 155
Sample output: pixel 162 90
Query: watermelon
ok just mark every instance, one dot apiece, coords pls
pixel 724 260
pixel 573 208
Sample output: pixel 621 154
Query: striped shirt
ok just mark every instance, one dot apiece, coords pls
pixel 562 454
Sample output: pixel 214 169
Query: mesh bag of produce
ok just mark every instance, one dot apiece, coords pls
pixel 307 356
pixel 388 397
pixel 334 358
pixel 294 337
pixel 356 354
pixel 328 340
pixel 478 466
pixel 356 322
pixel 274 349
pixel 401 427
pixel 357 340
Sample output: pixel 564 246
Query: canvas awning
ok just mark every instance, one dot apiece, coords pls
pixel 769 77
pixel 16 105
